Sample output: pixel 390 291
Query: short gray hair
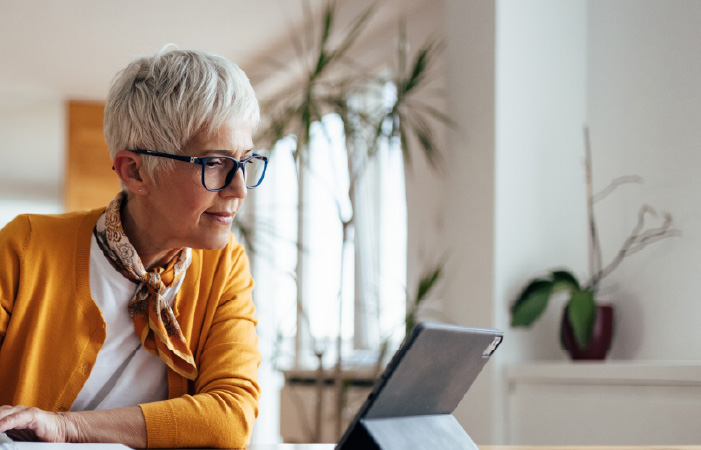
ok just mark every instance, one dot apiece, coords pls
pixel 162 102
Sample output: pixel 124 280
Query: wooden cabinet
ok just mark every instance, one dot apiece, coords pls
pixel 308 397
pixel 90 181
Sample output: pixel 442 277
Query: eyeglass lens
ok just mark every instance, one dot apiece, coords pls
pixel 219 172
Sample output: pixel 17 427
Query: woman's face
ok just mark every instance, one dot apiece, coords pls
pixel 182 212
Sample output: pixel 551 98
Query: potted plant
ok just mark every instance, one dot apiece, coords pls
pixel 586 326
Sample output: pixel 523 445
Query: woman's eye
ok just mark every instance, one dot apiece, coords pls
pixel 215 163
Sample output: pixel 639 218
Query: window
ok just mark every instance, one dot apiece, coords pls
pixel 358 293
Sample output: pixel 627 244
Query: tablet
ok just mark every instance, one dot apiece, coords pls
pixel 425 380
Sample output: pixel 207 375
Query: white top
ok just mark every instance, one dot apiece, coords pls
pixel 143 376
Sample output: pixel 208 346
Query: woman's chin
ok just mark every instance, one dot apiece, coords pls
pixel 215 241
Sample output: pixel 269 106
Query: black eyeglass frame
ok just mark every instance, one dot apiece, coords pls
pixel 202 161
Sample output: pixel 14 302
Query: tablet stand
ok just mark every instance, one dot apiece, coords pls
pixel 401 433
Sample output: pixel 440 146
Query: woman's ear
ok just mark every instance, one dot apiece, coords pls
pixel 128 166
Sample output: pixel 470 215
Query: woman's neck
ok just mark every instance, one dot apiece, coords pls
pixel 136 229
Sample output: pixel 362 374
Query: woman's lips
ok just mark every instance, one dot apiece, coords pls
pixel 225 218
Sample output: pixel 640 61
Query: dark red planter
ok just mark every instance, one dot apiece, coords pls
pixel 601 338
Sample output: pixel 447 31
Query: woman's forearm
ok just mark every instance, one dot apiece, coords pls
pixel 124 425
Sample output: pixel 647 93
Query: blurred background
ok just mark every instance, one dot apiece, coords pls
pixel 486 190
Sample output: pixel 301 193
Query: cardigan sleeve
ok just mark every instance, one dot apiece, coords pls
pixel 12 239
pixel 224 406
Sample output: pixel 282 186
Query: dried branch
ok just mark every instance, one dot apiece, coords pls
pixel 615 184
pixel 638 239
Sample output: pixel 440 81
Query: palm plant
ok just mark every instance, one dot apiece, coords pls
pixel 331 83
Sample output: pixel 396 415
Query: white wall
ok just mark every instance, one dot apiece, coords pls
pixel 540 199
pixel 516 81
pixel 631 71
pixel 468 191
pixel 32 143
pixel 644 91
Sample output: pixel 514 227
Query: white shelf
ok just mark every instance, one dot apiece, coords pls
pixel 662 373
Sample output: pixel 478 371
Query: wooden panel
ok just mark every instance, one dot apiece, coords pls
pixel 90 180
pixel 301 396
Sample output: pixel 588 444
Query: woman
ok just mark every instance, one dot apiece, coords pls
pixel 135 323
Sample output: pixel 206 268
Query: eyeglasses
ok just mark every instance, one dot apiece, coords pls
pixel 219 171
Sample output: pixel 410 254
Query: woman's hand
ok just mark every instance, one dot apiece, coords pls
pixel 123 425
pixel 33 424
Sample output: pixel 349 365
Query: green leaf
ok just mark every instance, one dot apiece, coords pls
pixel 356 28
pixel 531 303
pixel 581 312
pixel 409 323
pixel 564 281
pixel 435 113
pixel 329 15
pixel 418 71
pixel 405 146
pixel 427 283
pixel 424 134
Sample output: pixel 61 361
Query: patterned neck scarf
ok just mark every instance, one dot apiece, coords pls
pixel 153 318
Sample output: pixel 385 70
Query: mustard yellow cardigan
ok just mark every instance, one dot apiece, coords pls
pixel 51 331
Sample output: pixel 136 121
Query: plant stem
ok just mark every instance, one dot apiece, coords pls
pixel 595 262
pixel 300 336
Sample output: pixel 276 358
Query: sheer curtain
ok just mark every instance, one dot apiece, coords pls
pixel 359 292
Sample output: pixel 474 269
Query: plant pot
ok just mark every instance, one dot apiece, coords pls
pixel 601 336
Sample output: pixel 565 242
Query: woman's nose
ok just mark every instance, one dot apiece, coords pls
pixel 237 187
